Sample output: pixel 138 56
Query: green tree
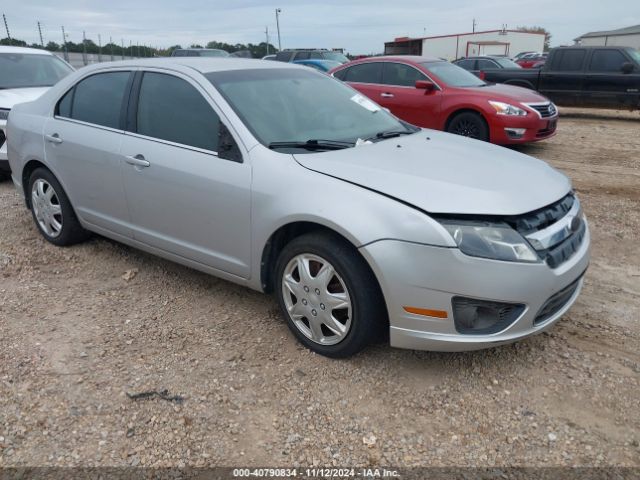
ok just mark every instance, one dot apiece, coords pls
pixel 52 47
pixel 14 42
pixel 536 29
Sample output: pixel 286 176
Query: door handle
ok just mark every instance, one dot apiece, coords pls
pixel 55 138
pixel 137 160
pixel 386 95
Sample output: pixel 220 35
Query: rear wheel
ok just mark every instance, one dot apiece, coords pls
pixel 328 295
pixel 52 210
pixel 469 124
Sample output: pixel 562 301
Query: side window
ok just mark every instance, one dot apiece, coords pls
pixel 64 105
pixel 484 64
pixel 283 56
pixel 171 109
pixel 97 99
pixel 401 75
pixel 302 56
pixel 569 60
pixel 340 74
pixel 466 64
pixel 317 55
pixel 365 73
pixel 607 61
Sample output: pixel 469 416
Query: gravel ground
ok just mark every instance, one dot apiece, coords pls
pixel 81 327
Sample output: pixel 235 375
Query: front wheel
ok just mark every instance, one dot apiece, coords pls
pixel 469 124
pixel 328 295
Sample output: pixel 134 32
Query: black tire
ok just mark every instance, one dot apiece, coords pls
pixel 71 231
pixel 469 124
pixel 368 312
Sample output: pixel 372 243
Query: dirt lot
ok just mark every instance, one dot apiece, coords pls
pixel 76 336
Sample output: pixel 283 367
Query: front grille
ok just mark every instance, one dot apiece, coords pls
pixel 555 254
pixel 562 252
pixel 543 217
pixel 545 110
pixel 2 138
pixel 556 302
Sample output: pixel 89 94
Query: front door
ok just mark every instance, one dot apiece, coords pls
pixel 606 85
pixel 562 80
pixel 82 143
pixel 184 198
pixel 400 95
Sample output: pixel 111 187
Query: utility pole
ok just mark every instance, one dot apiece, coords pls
pixel 64 45
pixel 111 46
pixel 84 48
pixel 266 32
pixel 278 12
pixel 40 32
pixel 99 48
pixel 474 26
pixel 122 47
pixel 6 27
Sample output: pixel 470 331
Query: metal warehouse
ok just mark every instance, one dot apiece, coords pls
pixel 452 47
pixel 622 37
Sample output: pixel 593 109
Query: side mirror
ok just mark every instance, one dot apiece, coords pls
pixel 227 147
pixel 425 85
pixel 627 67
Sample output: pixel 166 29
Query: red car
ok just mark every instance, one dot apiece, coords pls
pixel 432 93
pixel 532 61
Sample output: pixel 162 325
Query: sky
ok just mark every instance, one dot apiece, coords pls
pixel 359 26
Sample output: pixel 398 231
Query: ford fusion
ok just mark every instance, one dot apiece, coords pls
pixel 288 181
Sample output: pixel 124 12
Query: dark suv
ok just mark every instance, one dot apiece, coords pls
pixel 310 53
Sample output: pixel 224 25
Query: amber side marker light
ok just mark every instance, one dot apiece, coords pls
pixel 427 312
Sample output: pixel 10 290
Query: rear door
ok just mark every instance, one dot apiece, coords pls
pixel 606 85
pixel 364 77
pixel 400 95
pixel 184 198
pixel 562 79
pixel 82 144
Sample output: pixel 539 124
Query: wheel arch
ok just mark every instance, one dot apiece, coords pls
pixel 285 234
pixel 27 170
pixel 458 111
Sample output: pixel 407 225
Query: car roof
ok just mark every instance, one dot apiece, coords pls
pixel 400 58
pixel 23 50
pixel 200 64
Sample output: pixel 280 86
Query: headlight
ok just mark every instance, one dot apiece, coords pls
pixel 497 241
pixel 4 114
pixel 507 109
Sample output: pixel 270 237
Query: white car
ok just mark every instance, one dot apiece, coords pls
pixel 25 74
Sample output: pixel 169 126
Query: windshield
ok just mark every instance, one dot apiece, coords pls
pixel 506 63
pixel 298 105
pixel 19 70
pixel 336 57
pixel 453 75
pixel 213 53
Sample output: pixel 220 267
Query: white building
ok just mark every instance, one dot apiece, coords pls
pixel 452 47
pixel 622 37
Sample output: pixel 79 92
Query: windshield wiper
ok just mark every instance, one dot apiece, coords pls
pixel 313 144
pixel 389 134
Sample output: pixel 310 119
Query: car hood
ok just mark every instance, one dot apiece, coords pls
pixel 11 96
pixel 443 173
pixel 501 92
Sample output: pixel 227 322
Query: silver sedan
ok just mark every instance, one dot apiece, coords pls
pixel 285 180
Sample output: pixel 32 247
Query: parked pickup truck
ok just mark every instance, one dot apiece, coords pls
pixel 598 77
